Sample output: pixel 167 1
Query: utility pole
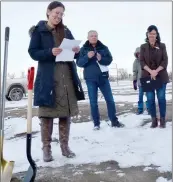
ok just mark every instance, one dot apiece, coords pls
pixel 117 72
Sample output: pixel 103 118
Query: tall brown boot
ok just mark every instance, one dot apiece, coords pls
pixel 154 123
pixel 46 137
pixel 64 131
pixel 162 123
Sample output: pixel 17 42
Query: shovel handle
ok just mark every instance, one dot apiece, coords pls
pixel 3 84
pixel 7 33
pixel 30 78
pixel 30 88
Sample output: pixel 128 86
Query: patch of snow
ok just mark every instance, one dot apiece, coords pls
pixel 161 179
pixel 121 105
pixel 108 168
pixel 147 168
pixel 119 171
pixel 16 104
pixel 99 172
pixel 121 174
pixel 130 146
pixel 77 173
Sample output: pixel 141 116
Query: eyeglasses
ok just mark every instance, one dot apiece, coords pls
pixel 60 14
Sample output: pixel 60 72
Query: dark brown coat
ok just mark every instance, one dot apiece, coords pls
pixel 153 58
pixel 40 50
pixel 66 101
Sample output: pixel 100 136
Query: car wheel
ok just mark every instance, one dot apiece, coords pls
pixel 16 93
pixel 7 98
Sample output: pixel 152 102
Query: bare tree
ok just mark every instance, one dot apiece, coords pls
pixel 123 74
pixel 112 78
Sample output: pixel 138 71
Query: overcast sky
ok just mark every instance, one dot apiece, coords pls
pixel 121 26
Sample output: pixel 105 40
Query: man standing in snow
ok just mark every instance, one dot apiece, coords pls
pixel 136 81
pixel 94 58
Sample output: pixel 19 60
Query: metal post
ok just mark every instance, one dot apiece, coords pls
pixel 117 72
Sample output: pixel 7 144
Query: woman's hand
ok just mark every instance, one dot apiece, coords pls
pixel 56 51
pixel 76 49
pixel 154 73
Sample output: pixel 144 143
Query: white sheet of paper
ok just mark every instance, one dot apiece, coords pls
pixel 67 54
pixel 103 68
pixel 69 44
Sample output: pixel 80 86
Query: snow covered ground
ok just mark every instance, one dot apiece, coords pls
pixel 134 145
pixel 131 146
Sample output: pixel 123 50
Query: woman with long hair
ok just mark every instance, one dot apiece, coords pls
pixel 154 61
pixel 57 86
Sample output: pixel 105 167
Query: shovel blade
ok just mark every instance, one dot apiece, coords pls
pixel 7 170
pixel 6 166
pixel 30 175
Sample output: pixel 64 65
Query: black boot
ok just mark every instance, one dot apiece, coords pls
pixel 139 112
pixel 154 123
pixel 117 124
pixel 162 123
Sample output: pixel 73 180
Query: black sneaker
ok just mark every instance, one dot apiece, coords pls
pixel 118 124
pixel 139 112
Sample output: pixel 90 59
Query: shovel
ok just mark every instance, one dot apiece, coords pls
pixel 31 173
pixel 5 166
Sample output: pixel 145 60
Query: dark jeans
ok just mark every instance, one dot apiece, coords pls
pixel 141 102
pixel 93 97
pixel 161 96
